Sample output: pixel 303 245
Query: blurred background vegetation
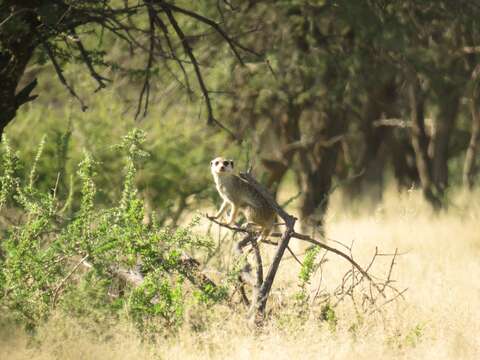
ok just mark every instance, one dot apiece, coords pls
pixel 332 92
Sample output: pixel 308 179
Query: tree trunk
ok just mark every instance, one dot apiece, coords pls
pixel 449 105
pixel 318 165
pixel 419 140
pixel 469 168
pixel 371 163
pixel 16 49
pixel 286 131
pixel 403 160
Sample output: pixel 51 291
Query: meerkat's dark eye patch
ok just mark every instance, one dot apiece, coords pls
pixel 216 163
pixel 226 163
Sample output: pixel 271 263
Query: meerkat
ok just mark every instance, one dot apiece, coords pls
pixel 240 195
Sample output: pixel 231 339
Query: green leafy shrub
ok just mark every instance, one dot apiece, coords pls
pixel 306 272
pixel 81 263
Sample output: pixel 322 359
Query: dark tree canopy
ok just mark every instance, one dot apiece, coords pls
pixel 61 31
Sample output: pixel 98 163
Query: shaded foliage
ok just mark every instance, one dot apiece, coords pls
pixel 63 32
pixel 346 89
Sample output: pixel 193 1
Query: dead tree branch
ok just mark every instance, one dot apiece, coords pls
pixel 233 44
pixel 62 283
pixel 189 51
pixel 188 267
pixel 355 276
pixel 60 75
pixel 145 92
pixel 339 253
pixel 76 21
pixel 88 62
pixel 401 123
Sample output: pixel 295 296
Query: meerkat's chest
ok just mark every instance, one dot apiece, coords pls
pixel 228 190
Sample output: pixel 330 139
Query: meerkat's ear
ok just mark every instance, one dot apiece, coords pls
pixel 231 162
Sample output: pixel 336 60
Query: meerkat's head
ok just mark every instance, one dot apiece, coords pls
pixel 220 166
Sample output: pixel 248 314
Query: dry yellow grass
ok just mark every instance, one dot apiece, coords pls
pixel 439 319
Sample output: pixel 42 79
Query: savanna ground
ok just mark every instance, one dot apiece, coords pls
pixel 438 319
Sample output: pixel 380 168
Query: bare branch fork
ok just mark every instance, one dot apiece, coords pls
pixel 118 20
pixel 59 72
pixel 88 61
pixel 145 92
pixel 167 8
pixel 62 283
pixel 263 286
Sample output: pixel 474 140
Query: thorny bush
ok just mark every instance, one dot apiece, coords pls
pixel 50 260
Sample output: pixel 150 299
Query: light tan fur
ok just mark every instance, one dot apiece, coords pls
pixel 241 196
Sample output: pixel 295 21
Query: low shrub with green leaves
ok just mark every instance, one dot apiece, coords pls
pixel 83 260
pixel 309 266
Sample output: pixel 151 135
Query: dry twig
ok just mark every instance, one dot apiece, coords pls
pixel 60 286
pixel 351 280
